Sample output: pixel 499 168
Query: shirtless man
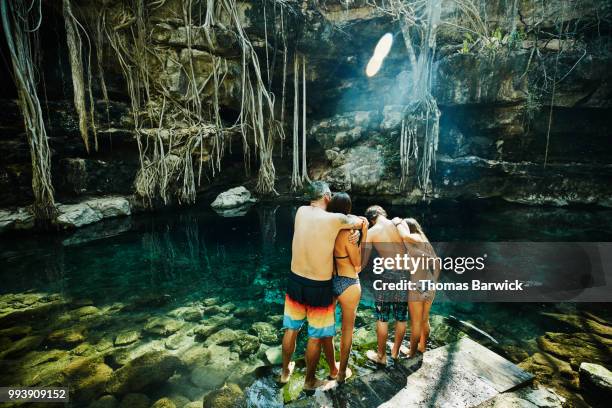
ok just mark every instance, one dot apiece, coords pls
pixel 309 288
pixel 386 239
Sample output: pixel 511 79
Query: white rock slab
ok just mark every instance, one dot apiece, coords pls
pixel 462 374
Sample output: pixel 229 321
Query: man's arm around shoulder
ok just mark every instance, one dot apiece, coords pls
pixel 349 221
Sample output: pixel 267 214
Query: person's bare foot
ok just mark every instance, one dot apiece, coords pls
pixel 284 377
pixel 406 351
pixel 333 372
pixel 373 356
pixel 342 377
pixel 317 384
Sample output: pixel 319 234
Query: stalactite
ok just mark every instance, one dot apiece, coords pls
pixel 18 32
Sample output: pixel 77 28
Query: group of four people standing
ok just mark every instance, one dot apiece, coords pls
pixel 328 250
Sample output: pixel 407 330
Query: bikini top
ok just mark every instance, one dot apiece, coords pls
pixel 336 265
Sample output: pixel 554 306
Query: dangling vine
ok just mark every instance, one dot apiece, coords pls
pixel 18 31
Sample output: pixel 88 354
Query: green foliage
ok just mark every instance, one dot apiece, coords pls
pixel 468 42
pixel 515 39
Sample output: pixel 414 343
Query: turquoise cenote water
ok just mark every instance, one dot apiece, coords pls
pixel 179 303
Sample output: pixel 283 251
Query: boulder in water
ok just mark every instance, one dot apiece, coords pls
pixel 274 355
pixel 21 346
pixel 209 377
pixel 154 367
pixel 577 348
pixel 230 395
pixel 105 401
pixel 232 198
pixel 204 331
pixel 127 337
pixel 135 400
pixel 224 336
pixel 245 345
pixel 87 378
pixel 596 378
pixel 163 326
pixel 266 332
pixel 66 337
pixel 163 403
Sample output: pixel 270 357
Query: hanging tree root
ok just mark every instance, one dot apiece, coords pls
pixel 420 125
pixel 168 160
pixel 18 34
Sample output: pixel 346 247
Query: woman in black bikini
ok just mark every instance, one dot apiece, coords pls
pixel 347 265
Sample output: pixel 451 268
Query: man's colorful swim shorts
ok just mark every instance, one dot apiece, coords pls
pixel 312 301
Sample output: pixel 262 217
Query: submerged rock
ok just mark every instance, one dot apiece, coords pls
pixel 232 198
pixel 16 332
pixel 582 323
pixel 163 326
pixel 596 378
pixel 87 378
pixel 21 346
pixel 195 355
pixel 210 301
pixel 550 370
pixel 67 337
pixel 203 332
pixel 230 395
pixel 209 377
pixel 135 400
pixel 190 314
pixel 176 341
pixel 105 401
pixel 266 332
pixel 246 312
pixel 127 337
pixel 577 348
pixel 86 311
pixel 245 345
pixel 154 367
pixel 274 355
pixel 28 307
pixel 179 400
pixel 163 403
pixel 224 336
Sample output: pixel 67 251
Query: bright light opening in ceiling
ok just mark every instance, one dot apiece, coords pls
pixel 384 46
pixel 373 66
pixel 380 52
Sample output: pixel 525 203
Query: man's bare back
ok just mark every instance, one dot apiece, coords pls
pixel 314 236
pixel 385 238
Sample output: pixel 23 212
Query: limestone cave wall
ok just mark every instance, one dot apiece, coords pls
pixel 495 102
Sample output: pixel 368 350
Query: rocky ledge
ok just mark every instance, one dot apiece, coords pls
pixel 69 216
